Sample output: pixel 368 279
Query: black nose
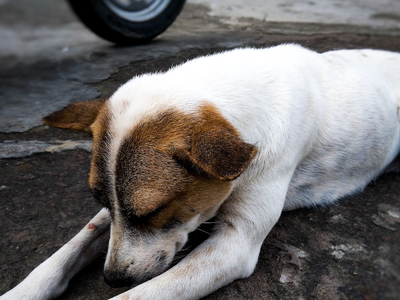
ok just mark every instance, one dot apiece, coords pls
pixel 116 280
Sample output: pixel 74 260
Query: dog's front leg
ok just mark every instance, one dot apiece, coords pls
pixel 51 277
pixel 230 253
pixel 215 263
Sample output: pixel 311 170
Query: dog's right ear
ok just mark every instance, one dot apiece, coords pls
pixel 78 116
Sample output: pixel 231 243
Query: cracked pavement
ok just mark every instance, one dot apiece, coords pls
pixel 48 60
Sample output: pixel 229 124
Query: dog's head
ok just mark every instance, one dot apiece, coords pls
pixel 160 174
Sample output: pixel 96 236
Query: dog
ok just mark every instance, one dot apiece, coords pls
pixel 240 136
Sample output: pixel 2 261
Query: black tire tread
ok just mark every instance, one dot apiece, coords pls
pixel 101 20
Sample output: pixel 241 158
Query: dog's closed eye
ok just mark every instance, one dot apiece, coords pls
pixel 140 220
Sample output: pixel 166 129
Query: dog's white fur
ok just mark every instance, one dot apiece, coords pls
pixel 325 125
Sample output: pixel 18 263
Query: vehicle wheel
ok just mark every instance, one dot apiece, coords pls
pixel 127 22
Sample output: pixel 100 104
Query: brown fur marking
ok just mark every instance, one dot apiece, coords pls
pixel 100 179
pixel 169 168
pixel 217 147
pixel 92 116
pixel 175 166
pixel 78 116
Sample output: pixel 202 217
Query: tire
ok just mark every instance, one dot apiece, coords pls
pixel 122 26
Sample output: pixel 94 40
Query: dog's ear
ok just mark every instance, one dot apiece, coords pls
pixel 78 116
pixel 217 149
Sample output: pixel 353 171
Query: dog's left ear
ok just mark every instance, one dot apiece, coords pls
pixel 78 116
pixel 217 149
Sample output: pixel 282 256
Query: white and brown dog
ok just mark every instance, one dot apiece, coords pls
pixel 241 135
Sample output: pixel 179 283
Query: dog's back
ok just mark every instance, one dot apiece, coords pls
pixel 288 95
pixel 359 134
pixel 386 63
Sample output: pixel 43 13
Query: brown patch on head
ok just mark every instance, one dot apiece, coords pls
pixel 78 116
pixel 217 147
pixel 175 166
pixel 145 168
pixel 92 116
pixel 199 196
pixel 100 179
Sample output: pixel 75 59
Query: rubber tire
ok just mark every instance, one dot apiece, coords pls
pixel 105 23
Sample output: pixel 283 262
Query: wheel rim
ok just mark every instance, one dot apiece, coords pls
pixel 137 10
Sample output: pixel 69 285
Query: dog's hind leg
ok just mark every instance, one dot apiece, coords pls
pixel 51 277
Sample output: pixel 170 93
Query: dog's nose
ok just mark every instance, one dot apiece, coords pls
pixel 116 280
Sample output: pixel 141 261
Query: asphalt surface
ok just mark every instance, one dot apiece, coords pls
pixel 48 60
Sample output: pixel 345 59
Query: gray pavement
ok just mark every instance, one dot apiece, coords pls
pixel 48 60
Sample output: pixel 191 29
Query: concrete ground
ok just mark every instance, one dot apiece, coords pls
pixel 48 60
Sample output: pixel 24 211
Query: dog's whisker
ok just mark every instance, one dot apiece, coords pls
pixel 184 249
pixel 201 230
pixel 212 222
pixel 178 258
